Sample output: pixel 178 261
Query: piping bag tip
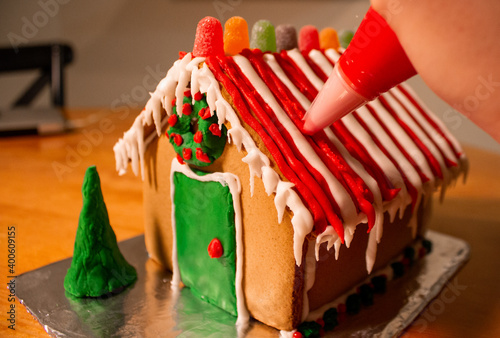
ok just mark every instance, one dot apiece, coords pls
pixel 334 100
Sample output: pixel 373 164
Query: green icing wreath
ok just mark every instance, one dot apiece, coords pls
pixel 195 134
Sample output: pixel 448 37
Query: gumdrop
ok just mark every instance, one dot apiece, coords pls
pixel 208 40
pixel 345 37
pixel 286 37
pixel 328 38
pixel 263 36
pixel 235 35
pixel 308 39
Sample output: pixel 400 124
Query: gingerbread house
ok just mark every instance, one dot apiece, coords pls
pixel 257 217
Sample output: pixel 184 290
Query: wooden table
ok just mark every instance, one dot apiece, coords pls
pixel 41 181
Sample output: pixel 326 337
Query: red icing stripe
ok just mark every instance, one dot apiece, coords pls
pixel 449 163
pixel 434 164
pixel 306 195
pixel 423 177
pixel 281 137
pixel 296 75
pixel 429 119
pixel 409 186
pixel 358 151
pixel 355 148
pixel 315 68
pixel 330 156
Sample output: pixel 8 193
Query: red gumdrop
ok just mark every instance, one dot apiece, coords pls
pixel 209 38
pixel 297 334
pixel 308 39
pixel 215 249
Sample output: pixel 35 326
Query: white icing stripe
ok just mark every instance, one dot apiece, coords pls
pixel 280 73
pixel 341 196
pixel 319 59
pixel 302 64
pixel 333 55
pixel 404 140
pixel 233 183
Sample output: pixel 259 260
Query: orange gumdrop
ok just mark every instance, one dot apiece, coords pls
pixel 328 38
pixel 235 35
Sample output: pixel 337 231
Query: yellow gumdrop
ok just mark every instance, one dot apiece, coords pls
pixel 328 38
pixel 235 35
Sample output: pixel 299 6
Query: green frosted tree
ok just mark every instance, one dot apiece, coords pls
pixel 98 267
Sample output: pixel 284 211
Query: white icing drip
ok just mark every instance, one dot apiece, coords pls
pixel 341 196
pixel 309 277
pixel 233 183
pixel 302 64
pixel 333 55
pixel 270 179
pixel 256 160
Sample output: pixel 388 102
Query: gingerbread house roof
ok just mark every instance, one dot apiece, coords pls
pixel 384 158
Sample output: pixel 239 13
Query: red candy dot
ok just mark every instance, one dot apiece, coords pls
pixel 172 120
pixel 209 38
pixel 321 322
pixel 187 93
pixel 187 153
pixel 201 156
pixel 179 158
pixel 198 137
pixel 204 113
pixel 297 334
pixel 214 129
pixel 177 139
pixel 198 96
pixel 173 103
pixel 186 109
pixel 215 249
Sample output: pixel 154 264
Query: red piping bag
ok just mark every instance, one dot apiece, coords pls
pixel 373 63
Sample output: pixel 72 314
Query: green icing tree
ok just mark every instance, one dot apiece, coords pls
pixel 98 267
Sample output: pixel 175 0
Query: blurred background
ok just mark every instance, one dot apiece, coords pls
pixel 122 48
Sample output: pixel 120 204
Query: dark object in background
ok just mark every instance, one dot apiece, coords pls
pixel 50 60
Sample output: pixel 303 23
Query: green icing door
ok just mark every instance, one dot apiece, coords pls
pixel 203 211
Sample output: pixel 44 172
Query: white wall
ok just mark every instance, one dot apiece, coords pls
pixel 121 46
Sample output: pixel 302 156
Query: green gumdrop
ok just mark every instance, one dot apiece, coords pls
pixel 345 37
pixel 98 267
pixel 263 36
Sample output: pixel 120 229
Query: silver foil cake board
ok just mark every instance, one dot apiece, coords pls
pixel 149 308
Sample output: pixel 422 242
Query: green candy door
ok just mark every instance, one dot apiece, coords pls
pixel 204 214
